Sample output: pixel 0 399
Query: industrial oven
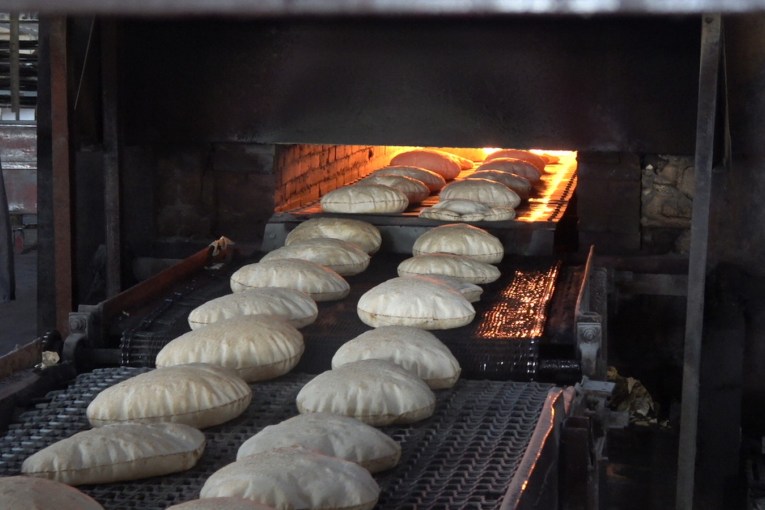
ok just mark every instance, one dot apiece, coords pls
pixel 183 129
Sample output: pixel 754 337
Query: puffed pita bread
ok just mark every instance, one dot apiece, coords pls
pixel 361 233
pixel 469 291
pixel 517 183
pixel 375 391
pixel 491 193
pixel 32 493
pixel 460 239
pixel 345 258
pixel 466 211
pixel 415 191
pixel 226 503
pixel 416 302
pixel 331 434
pixel 515 166
pixel 538 161
pixel 199 395
pixel 256 347
pixel 296 478
pixel 414 349
pixel 119 452
pixel 319 282
pixel 432 180
pixel 442 163
pixel 297 307
pixel 364 199
pixel 460 267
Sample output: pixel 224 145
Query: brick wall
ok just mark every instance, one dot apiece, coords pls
pixel 306 172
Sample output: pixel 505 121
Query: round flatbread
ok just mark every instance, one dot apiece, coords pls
pixel 538 161
pixel 432 180
pixel 517 183
pixel 344 258
pixel 256 347
pixel 469 291
pixel 338 436
pixel 460 239
pixel 297 307
pixel 229 503
pixel 119 452
pixel 32 493
pixel 319 282
pixel 514 166
pixel 415 191
pixel 491 193
pixel 364 199
pixel 361 233
pixel 377 392
pixel 416 302
pixel 466 211
pixel 444 164
pixel 295 478
pixel 199 395
pixel 413 349
pixel 461 267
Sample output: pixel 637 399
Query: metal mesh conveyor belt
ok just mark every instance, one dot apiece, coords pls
pixel 464 456
pixel 500 343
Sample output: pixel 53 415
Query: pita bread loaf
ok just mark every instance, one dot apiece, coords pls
pixel 361 233
pixel 115 453
pixel 256 347
pixel 491 193
pixel 414 302
pixel 515 166
pixel 432 180
pixel 517 183
pixel 220 504
pixel 448 264
pixel 375 391
pixel 319 282
pixel 466 210
pixel 338 436
pixel 364 199
pixel 469 291
pixel 32 493
pixel 413 349
pixel 295 478
pixel 538 161
pixel 460 239
pixel 415 191
pixel 444 164
pixel 340 256
pixel 199 395
pixel 297 307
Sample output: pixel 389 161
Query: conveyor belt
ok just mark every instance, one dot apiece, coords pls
pixel 464 456
pixel 500 343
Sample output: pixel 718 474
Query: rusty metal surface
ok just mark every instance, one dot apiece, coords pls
pixel 381 7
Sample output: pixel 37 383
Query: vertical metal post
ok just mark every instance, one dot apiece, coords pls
pixel 711 31
pixel 13 47
pixel 111 142
pixel 61 173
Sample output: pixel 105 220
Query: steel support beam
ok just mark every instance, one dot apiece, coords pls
pixel 711 36
pixel 61 174
pixel 111 142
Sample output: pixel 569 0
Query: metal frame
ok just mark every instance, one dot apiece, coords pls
pixel 590 333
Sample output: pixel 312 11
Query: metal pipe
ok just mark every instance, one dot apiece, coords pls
pixel 694 320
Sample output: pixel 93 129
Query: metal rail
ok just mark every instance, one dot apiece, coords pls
pixel 711 38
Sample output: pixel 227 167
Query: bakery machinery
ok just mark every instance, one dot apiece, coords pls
pixel 181 138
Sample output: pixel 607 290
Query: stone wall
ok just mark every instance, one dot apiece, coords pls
pixel 667 203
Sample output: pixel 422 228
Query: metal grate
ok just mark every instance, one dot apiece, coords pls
pixel 464 456
pixel 500 343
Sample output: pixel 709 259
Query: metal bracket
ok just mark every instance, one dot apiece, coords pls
pixel 590 333
pixel 589 339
